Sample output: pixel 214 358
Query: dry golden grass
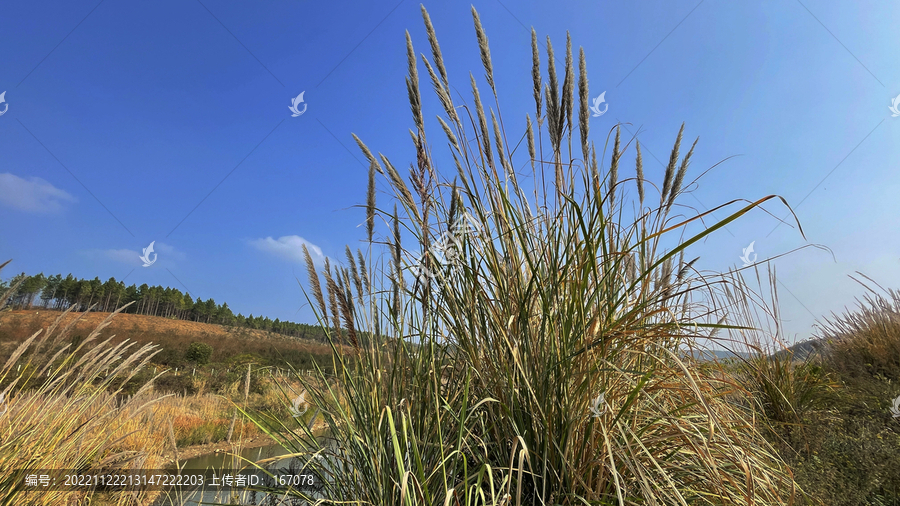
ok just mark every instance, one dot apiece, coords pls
pixel 61 410
pixel 168 334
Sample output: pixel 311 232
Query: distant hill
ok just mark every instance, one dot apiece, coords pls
pixel 60 293
pixel 707 355
pixel 800 351
pixel 804 349
pixel 230 344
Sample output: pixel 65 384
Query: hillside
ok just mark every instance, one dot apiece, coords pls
pixel 708 355
pixel 803 349
pixel 231 345
pixel 60 293
pixel 799 351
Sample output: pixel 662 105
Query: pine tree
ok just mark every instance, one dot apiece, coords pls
pixel 50 289
pixel 186 305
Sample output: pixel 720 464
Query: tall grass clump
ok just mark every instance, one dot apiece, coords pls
pixel 781 387
pixel 519 338
pixel 866 343
pixel 828 411
pixel 59 410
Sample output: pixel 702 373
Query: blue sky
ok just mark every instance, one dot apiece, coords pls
pixel 133 122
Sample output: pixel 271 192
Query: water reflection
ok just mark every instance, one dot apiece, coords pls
pixel 232 462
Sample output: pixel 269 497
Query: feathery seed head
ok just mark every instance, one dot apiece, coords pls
pixel 345 297
pixel 639 165
pixel 442 93
pixel 485 50
pixel 399 184
pixel 357 280
pixel 679 178
pixel 370 200
pixel 552 93
pixel 536 74
pixel 583 108
pixel 614 164
pixel 367 153
pixel 665 278
pixel 411 60
pixel 630 268
pixel 454 206
pixel 530 133
pixel 412 86
pixel 435 48
pixel 398 250
pixel 482 123
pixel 450 136
pixel 350 259
pixel 499 140
pixel 551 73
pixel 314 283
pixel 362 270
pixel 686 268
pixel 552 112
pixel 670 169
pixel 332 289
pixel 569 84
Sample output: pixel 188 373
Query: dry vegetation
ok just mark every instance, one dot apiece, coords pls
pixel 70 405
pixel 486 396
pixel 480 385
pixel 169 335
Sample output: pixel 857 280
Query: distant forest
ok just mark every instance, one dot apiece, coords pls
pixel 58 293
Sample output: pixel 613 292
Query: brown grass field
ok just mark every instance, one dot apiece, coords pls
pixel 68 389
pixel 17 325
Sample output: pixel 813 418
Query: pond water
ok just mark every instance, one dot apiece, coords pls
pixel 222 460
pixel 215 495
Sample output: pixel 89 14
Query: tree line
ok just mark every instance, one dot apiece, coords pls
pixel 60 293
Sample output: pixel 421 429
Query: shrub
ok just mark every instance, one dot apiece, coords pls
pixel 170 357
pixel 198 353
pixel 177 383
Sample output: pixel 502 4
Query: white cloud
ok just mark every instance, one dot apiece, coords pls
pixel 168 251
pixel 125 256
pixel 132 257
pixel 290 247
pixel 34 195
